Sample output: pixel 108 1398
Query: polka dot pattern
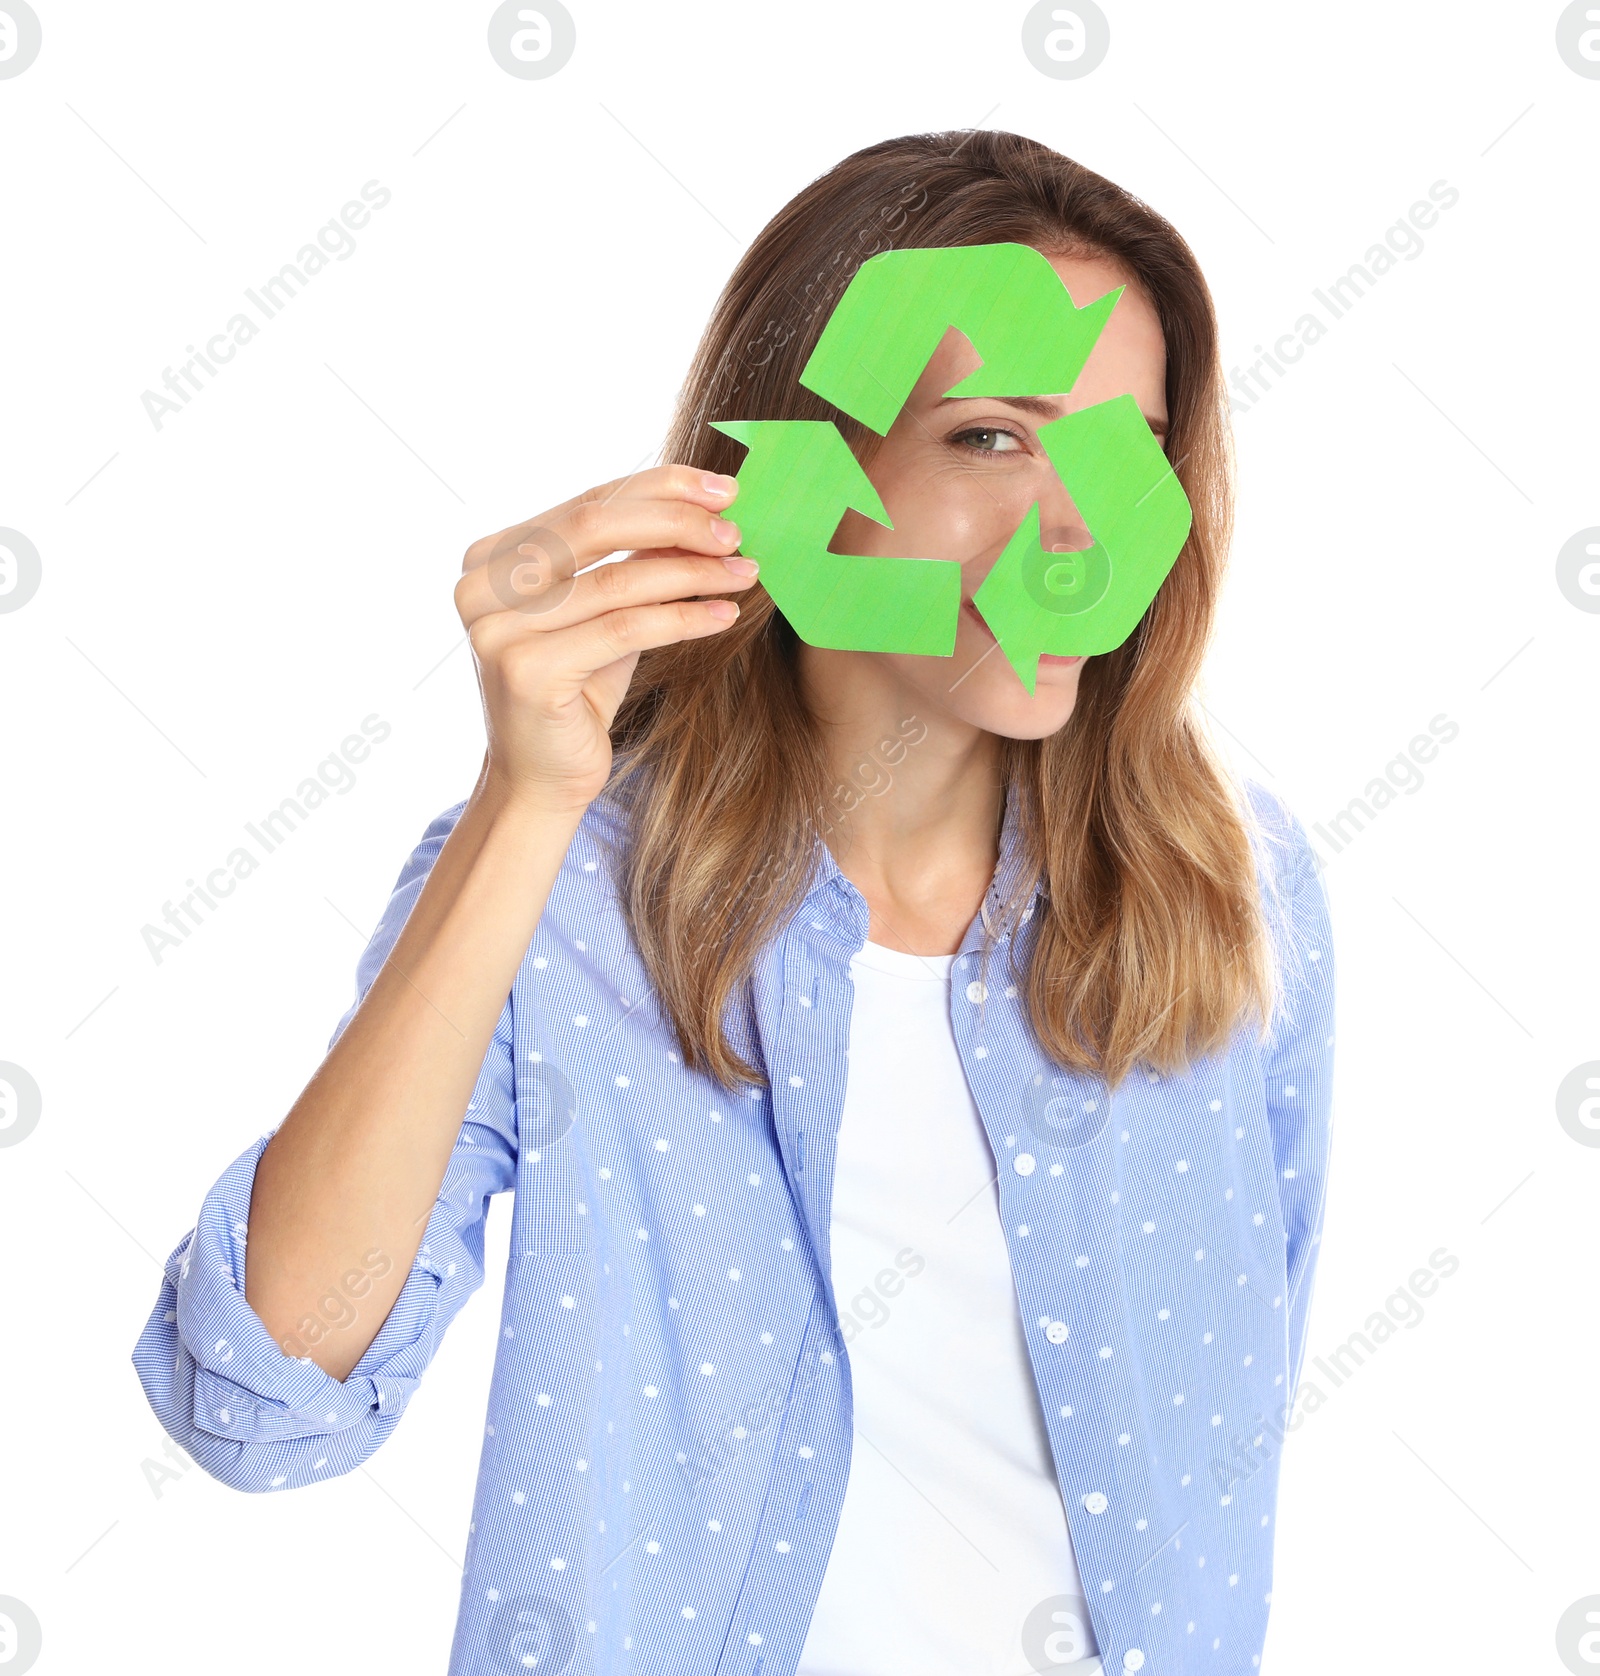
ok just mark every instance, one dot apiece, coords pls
pixel 669 1391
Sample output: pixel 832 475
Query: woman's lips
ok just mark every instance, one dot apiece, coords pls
pixel 1044 657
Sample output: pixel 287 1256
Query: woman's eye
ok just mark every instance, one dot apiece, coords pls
pixel 985 439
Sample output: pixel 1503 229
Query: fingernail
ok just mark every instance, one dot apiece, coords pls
pixel 716 484
pixel 742 567
pixel 724 529
pixel 723 608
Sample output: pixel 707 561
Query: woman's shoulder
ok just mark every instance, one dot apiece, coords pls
pixel 1285 855
pixel 1294 899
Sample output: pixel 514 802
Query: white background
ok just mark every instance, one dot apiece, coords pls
pixel 223 600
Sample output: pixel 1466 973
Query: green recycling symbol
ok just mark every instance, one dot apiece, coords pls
pixel 799 476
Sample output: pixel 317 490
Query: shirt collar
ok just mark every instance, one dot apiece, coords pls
pixel 1006 903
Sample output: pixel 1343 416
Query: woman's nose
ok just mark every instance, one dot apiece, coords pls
pixel 1061 527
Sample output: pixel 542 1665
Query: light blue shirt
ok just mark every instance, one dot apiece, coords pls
pixel 669 1425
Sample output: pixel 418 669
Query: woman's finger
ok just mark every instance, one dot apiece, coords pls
pixel 618 585
pixel 547 596
pixel 709 490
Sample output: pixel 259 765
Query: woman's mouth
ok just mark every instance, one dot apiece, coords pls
pixel 1051 658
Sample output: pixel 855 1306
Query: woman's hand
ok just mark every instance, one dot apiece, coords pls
pixel 555 650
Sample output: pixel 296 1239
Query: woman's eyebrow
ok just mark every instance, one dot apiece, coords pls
pixel 1042 407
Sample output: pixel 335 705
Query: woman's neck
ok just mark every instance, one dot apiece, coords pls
pixel 915 827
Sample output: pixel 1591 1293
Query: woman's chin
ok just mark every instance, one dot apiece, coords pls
pixel 991 696
pixel 989 693
pixel 1021 716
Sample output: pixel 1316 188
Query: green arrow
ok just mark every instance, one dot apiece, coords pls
pixel 1007 300
pixel 797 481
pixel 1089 602
pixel 800 477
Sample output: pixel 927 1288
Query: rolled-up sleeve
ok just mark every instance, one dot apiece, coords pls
pixel 1299 1076
pixel 257 1418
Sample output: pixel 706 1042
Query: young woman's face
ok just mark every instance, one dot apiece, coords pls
pixel 958 477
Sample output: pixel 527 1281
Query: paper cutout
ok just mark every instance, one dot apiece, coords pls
pixel 795 485
pixel 799 476
pixel 1005 298
pixel 1123 484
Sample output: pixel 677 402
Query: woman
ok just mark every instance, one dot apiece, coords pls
pixel 975 1358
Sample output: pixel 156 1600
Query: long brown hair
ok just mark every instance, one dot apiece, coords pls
pixel 1151 945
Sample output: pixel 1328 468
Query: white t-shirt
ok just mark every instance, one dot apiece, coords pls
pixel 952 1533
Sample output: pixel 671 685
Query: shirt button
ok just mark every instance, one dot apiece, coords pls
pixel 1023 1163
pixel 1056 1332
pixel 1133 1659
pixel 1095 1502
pixel 976 991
